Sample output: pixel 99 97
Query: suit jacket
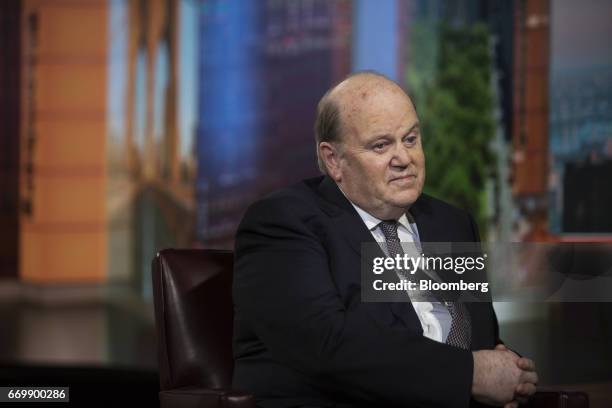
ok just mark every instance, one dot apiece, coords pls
pixel 302 336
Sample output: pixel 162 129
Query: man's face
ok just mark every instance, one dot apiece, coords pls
pixel 381 164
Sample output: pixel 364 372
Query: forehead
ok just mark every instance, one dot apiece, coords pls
pixel 374 107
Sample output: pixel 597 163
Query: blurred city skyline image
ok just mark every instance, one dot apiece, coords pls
pixel 130 126
pixel 148 124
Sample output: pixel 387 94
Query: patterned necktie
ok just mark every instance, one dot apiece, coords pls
pixel 460 334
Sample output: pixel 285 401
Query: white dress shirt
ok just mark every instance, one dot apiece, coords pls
pixel 434 316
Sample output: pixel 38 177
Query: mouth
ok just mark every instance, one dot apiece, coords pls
pixel 404 179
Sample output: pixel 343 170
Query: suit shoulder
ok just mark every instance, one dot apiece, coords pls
pixel 286 215
pixel 437 206
pixel 446 214
pixel 296 201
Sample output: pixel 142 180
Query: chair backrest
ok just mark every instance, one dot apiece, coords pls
pixel 192 294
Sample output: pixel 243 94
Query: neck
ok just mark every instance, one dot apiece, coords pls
pixel 382 212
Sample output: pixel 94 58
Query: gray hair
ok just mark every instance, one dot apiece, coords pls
pixel 327 125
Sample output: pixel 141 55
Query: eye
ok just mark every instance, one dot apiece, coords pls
pixel 411 139
pixel 380 146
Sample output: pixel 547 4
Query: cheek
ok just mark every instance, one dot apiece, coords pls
pixel 371 171
pixel 379 176
pixel 420 160
pixel 420 163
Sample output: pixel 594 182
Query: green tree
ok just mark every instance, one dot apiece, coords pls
pixel 456 113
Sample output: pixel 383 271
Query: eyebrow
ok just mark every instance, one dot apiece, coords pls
pixel 415 126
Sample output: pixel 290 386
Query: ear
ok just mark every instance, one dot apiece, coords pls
pixel 330 156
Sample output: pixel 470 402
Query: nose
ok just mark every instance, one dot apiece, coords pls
pixel 402 157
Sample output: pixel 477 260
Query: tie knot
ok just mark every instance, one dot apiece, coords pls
pixel 389 230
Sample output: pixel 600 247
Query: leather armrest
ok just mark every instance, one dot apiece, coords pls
pixel 558 399
pixel 194 397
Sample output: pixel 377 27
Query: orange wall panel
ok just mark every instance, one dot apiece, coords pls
pixel 64 257
pixel 536 90
pixel 537 132
pixel 71 143
pixel 64 238
pixel 69 200
pixel 71 90
pixel 73 31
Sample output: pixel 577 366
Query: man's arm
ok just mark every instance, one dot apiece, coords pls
pixel 284 289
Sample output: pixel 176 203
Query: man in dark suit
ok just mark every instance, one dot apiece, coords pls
pixel 302 335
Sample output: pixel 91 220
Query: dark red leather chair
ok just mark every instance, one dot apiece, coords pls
pixel 544 398
pixel 192 292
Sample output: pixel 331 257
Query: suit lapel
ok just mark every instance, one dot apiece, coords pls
pixel 421 213
pixel 346 220
pixel 344 216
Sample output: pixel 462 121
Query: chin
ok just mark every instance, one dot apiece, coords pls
pixel 406 198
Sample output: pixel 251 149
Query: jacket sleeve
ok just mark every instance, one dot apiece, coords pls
pixel 284 290
pixel 476 235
